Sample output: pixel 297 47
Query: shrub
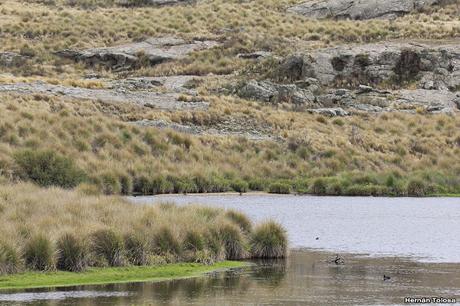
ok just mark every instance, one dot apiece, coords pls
pixel 10 261
pixel 240 186
pixel 137 249
pixel 166 243
pixel 39 253
pixel 126 182
pixel 269 240
pixel 318 187
pixel 279 187
pixel 416 188
pixel 108 246
pixel 72 254
pixel 110 184
pixel 366 190
pixel 47 168
pixel 257 184
pixel 240 219
pixel 234 241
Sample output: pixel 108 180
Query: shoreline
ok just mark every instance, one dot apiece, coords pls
pixel 264 193
pixel 105 276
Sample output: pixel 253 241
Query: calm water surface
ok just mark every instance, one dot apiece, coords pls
pixel 424 228
pixel 414 241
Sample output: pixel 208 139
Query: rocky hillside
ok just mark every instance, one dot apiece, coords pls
pixel 263 82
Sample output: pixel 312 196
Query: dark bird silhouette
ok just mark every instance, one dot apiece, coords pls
pixel 386 277
pixel 339 260
pixel 317 238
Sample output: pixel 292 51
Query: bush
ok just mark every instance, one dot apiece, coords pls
pixel 39 254
pixel 366 190
pixel 279 187
pixel 108 246
pixel 257 184
pixel 47 168
pixel 240 219
pixel 72 254
pixel 166 243
pixel 234 241
pixel 10 261
pixel 240 186
pixel 110 184
pixel 137 249
pixel 269 240
pixel 416 188
pixel 318 187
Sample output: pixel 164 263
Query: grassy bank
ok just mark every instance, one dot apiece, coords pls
pixel 99 276
pixel 56 230
pixel 90 146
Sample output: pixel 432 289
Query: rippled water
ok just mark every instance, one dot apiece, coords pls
pixel 420 235
pixel 305 278
pixel 424 228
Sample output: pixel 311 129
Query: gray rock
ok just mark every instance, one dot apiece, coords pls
pixel 177 83
pixel 275 93
pixel 255 55
pixel 151 51
pixel 430 66
pixel 331 112
pixel 11 59
pixel 362 9
pixel 167 101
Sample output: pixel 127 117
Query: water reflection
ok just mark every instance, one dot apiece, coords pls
pixel 306 278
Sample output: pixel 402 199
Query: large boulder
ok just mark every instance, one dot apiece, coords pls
pixel 151 51
pixel 393 63
pixel 362 9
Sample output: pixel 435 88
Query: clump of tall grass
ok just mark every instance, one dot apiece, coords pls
pixel 240 219
pixel 39 253
pixel 279 187
pixel 10 260
pixel 137 249
pixel 416 188
pixel 234 241
pixel 107 247
pixel 72 253
pixel 269 240
pixel 87 231
pixel 165 242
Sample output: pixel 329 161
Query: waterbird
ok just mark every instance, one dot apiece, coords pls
pixel 386 277
pixel 338 260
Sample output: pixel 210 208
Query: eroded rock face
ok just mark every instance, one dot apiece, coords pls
pixel 429 67
pixel 152 52
pixel 362 9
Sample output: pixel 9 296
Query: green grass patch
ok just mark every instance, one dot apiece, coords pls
pixel 98 276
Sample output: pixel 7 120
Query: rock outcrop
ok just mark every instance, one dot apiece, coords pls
pixel 362 9
pixel 152 51
pixel 392 63
pixel 333 101
pixel 267 91
pixel 158 100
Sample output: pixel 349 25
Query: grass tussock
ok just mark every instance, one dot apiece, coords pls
pixel 269 241
pixel 100 231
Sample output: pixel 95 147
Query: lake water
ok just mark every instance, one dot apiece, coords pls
pixel 426 229
pixel 415 242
